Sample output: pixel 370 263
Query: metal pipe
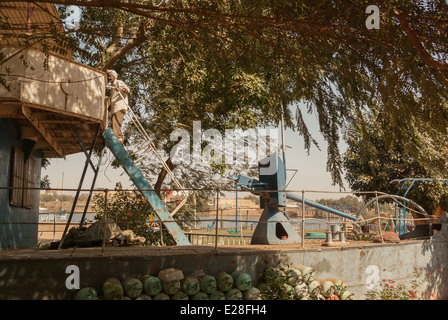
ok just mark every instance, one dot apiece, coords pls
pixel 216 224
pixel 95 176
pixel 78 191
pixel 303 219
pixel 283 140
pixel 319 206
pixel 396 198
pixel 103 242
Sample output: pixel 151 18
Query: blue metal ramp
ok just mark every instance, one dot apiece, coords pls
pixel 145 188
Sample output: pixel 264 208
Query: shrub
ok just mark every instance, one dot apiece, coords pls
pixel 131 211
pixel 388 289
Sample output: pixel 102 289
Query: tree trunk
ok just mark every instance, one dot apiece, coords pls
pixel 162 175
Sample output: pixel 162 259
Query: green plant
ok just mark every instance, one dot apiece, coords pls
pixel 388 289
pixel 131 211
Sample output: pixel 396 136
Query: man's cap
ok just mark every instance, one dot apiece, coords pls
pixel 113 73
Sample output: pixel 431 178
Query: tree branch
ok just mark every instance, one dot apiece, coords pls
pixel 426 57
pixel 135 41
pixel 117 39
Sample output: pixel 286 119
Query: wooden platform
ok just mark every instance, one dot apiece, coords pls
pixel 54 128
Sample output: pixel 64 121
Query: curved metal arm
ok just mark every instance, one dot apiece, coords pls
pixel 395 197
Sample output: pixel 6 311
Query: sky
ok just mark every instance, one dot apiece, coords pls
pixel 311 174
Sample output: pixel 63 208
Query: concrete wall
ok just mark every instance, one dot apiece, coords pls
pixel 42 274
pixel 12 233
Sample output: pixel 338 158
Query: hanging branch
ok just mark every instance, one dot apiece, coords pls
pixel 426 57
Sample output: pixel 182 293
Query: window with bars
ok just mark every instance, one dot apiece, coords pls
pixel 22 177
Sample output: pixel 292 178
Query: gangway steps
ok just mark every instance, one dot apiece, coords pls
pixel 145 188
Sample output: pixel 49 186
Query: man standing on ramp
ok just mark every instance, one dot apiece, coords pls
pixel 118 102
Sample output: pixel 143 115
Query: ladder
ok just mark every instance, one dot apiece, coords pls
pixel 147 149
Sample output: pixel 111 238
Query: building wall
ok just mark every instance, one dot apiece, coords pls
pixel 18 225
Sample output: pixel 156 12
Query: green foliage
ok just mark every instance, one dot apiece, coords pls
pixel 350 202
pixel 234 64
pixel 131 211
pixel 45 162
pixel 45 182
pixel 371 164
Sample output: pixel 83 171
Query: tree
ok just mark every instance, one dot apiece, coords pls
pixel 350 203
pixel 236 63
pixel 372 164
pixel 45 181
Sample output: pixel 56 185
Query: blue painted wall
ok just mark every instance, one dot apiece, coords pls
pixel 18 226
